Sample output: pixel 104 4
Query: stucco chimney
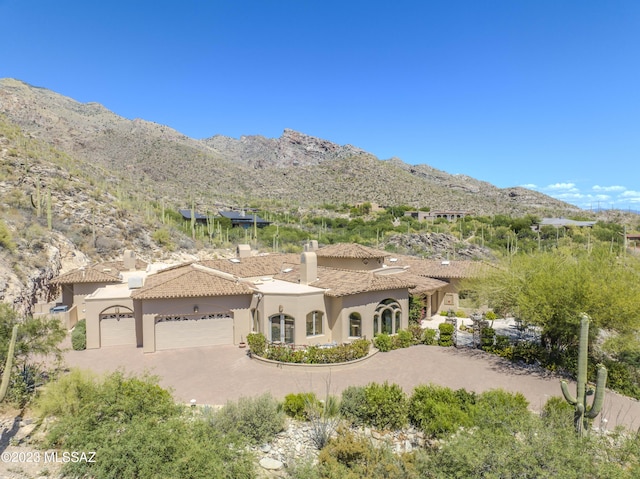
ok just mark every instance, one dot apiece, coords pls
pixel 129 260
pixel 308 267
pixel 311 245
pixel 243 251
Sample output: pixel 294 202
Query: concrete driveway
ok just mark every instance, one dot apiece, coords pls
pixel 214 375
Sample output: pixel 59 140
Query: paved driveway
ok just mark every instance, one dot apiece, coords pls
pixel 213 375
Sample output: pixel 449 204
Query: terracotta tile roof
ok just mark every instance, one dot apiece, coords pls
pixel 441 269
pixel 341 282
pixel 106 272
pixel 189 281
pixel 423 284
pixel 350 250
pixel 87 275
pixel 119 265
pixel 253 266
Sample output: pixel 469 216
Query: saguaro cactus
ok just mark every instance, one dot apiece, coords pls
pixel 582 412
pixel 6 374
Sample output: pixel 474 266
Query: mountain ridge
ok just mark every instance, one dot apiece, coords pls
pixel 294 169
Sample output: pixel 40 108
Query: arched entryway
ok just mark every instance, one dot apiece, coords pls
pixel 387 318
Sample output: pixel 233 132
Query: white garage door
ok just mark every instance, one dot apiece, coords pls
pixel 117 331
pixel 184 332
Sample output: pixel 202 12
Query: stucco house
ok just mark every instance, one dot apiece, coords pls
pixel 333 294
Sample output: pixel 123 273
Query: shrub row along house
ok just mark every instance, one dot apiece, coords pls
pixel 333 294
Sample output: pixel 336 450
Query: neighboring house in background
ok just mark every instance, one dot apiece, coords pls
pixel 325 295
pixel 562 223
pixel 244 220
pixel 433 215
pixel 199 217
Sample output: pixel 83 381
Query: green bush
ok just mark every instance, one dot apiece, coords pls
pixel 136 430
pixel 297 405
pixel 79 336
pixel 487 339
pixel 461 314
pixel 352 404
pixel 429 337
pixel 256 419
pixel 403 339
pixel 558 413
pixel 315 354
pixel 439 411
pixel 502 342
pixel 490 316
pixel 351 457
pixel 385 406
pixel 499 409
pixel 257 343
pixel 446 334
pixel 416 333
pixel 383 342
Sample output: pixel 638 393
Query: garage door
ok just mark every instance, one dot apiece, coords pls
pixel 187 332
pixel 117 330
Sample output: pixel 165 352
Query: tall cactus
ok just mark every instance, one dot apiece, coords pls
pixel 6 374
pixel 582 412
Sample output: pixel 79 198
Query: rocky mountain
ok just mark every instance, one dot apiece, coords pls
pixel 293 169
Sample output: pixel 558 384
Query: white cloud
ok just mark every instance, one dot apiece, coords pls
pixel 608 188
pixel 631 194
pixel 562 186
pixel 530 186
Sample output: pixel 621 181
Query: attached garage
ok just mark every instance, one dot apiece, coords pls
pixel 117 327
pixel 172 332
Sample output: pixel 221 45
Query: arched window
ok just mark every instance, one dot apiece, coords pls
pixel 282 328
pixel 314 323
pixel 355 325
pixel 387 318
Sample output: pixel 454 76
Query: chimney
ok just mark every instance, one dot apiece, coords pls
pixel 129 260
pixel 311 245
pixel 243 251
pixel 308 267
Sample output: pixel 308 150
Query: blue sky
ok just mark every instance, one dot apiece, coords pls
pixel 543 94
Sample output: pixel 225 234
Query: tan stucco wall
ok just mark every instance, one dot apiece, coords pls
pixel 93 309
pixel 296 306
pixel 446 298
pixel 237 305
pixel 365 304
pixel 80 292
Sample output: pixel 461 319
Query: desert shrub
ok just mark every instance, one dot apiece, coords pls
pixel 297 405
pixel 403 339
pixel 352 404
pixel 446 334
pixel 557 413
pixel 163 238
pixel 444 313
pixel 136 430
pixel 256 419
pixel 439 411
pixel 429 337
pixel 6 238
pixel 351 457
pixel 257 343
pixel 502 342
pixel 79 336
pixel 487 339
pixel 385 406
pixel 490 316
pixel 499 409
pixel 416 332
pixel 312 354
pixel 461 314
pixel 383 342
